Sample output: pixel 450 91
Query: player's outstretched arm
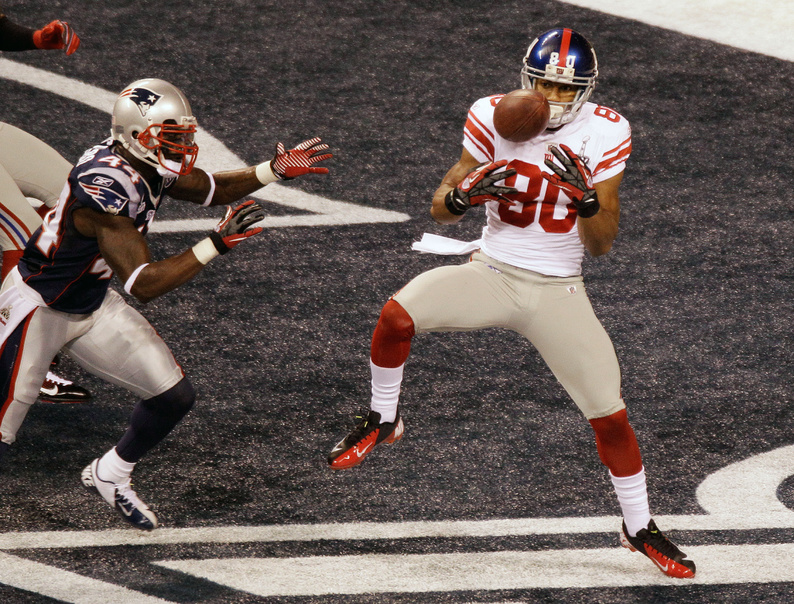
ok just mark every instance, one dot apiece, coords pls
pixel 599 232
pixel 228 186
pixel 57 35
pixel 125 251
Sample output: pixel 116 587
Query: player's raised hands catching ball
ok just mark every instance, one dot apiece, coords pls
pixel 480 186
pixel 574 178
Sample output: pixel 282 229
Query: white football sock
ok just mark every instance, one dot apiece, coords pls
pixel 633 498
pixel 111 467
pixel 386 390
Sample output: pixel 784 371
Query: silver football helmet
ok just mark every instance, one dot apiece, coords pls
pixel 153 120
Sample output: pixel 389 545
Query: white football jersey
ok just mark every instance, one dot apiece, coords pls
pixel 538 231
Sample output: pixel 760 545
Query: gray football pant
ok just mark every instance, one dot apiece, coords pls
pixel 115 343
pixel 553 313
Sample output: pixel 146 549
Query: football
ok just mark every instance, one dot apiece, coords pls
pixel 521 115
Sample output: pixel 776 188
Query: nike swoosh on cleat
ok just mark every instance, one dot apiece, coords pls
pixel 662 568
pixel 51 391
pixel 124 509
pixel 363 451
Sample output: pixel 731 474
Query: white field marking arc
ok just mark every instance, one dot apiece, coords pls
pixel 749 487
pixel 485 571
pixel 444 572
pixel 741 496
pixel 759 26
pixel 215 156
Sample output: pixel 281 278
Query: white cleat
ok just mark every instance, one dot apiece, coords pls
pixel 121 497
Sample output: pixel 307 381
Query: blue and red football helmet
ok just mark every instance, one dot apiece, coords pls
pixel 565 56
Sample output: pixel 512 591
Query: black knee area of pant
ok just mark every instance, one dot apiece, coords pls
pixel 153 419
pixel 395 322
pixel 174 403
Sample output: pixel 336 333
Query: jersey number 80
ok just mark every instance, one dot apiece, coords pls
pixel 525 214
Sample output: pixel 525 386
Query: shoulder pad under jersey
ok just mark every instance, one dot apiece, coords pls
pixel 107 189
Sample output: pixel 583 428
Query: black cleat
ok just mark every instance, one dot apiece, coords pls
pixel 56 389
pixel 368 433
pixel 663 552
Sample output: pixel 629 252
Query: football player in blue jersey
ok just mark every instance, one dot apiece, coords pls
pixel 29 168
pixel 59 295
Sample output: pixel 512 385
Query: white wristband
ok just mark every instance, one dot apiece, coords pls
pixel 131 281
pixel 205 250
pixel 265 174
pixel 208 201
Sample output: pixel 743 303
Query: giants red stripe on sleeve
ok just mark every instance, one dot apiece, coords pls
pixel 614 157
pixel 476 145
pixel 479 135
pixel 482 126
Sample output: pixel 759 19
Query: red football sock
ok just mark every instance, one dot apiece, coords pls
pixel 617 445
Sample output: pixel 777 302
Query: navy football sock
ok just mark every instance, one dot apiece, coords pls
pixel 153 419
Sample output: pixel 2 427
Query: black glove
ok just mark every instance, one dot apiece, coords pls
pixel 479 186
pixel 575 179
pixel 233 227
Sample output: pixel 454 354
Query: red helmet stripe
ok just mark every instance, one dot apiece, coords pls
pixel 564 45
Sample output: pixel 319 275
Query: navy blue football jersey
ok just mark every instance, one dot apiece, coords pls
pixel 67 268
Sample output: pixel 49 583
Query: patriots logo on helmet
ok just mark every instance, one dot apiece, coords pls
pixel 143 98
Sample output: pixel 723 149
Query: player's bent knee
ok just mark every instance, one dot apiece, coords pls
pixel 174 402
pixel 395 322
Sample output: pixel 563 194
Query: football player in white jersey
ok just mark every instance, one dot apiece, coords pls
pixel 59 295
pixel 546 201
pixel 29 168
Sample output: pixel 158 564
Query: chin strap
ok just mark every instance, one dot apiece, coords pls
pixel 171 168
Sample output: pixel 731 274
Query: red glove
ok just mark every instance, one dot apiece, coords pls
pixel 233 227
pixel 299 161
pixel 480 186
pixel 57 35
pixel 575 179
